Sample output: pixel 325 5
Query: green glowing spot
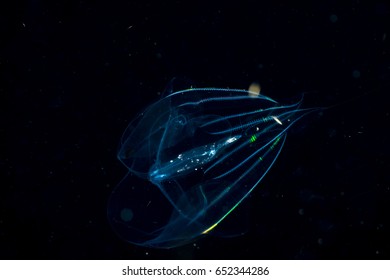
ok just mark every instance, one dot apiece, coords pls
pixel 275 143
pixel 253 139
pixel 260 158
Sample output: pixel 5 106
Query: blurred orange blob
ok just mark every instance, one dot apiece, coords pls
pixel 254 89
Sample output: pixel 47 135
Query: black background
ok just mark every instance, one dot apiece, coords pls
pixel 76 72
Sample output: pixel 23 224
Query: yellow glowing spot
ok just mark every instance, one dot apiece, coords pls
pixel 277 120
pixel 210 228
pixel 254 89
